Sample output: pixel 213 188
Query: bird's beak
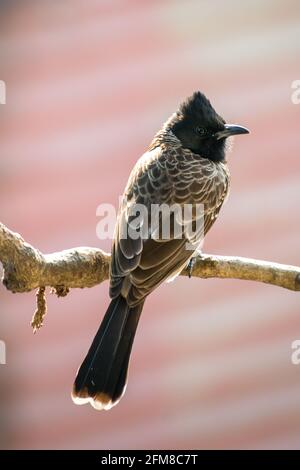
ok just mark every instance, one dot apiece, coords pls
pixel 230 129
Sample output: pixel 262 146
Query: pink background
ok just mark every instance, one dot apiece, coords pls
pixel 88 84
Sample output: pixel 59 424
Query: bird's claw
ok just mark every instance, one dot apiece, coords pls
pixel 190 266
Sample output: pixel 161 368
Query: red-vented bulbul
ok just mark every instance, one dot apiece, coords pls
pixel 185 164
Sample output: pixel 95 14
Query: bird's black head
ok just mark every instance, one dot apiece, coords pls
pixel 200 129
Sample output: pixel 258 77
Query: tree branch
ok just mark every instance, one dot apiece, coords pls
pixel 25 268
pixel 236 267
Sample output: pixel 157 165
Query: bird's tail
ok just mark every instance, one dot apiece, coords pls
pixel 101 379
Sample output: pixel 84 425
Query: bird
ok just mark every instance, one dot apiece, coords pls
pixel 185 164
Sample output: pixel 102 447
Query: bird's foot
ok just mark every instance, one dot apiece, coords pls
pixel 190 266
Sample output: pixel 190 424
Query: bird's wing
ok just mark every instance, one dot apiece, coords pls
pixel 174 177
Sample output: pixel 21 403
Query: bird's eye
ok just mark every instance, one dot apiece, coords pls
pixel 201 130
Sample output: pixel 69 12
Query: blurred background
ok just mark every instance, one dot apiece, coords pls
pixel 88 84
